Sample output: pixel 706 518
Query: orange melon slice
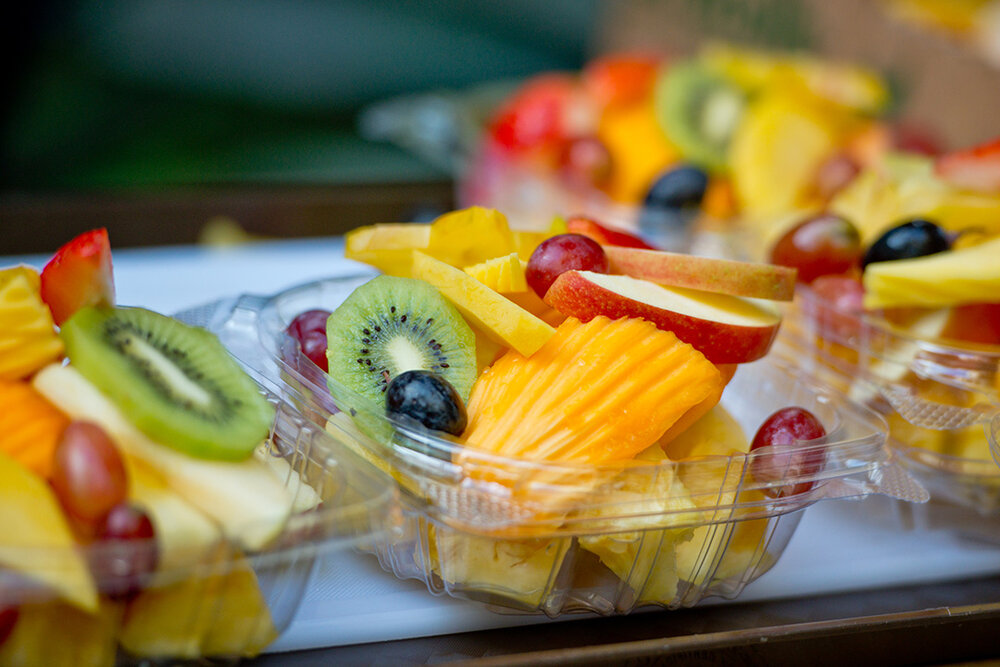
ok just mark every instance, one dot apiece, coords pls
pixel 30 426
pixel 594 393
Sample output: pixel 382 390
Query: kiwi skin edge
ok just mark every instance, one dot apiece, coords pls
pixel 176 383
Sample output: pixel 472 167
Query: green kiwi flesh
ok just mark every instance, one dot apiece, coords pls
pixel 390 325
pixel 176 383
pixel 699 110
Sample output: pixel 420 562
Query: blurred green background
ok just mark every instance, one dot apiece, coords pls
pixel 148 93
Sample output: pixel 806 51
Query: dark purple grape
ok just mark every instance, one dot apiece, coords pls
pixel 676 195
pixel 8 618
pixel 309 329
pixel 427 398
pixel 124 555
pixel 788 433
pixel 915 238
pixel 561 253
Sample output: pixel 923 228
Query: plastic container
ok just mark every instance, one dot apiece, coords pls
pixel 525 536
pixel 216 597
pixel 940 398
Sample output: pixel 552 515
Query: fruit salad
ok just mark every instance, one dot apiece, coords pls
pixel 900 296
pixel 154 499
pixel 726 137
pixel 573 424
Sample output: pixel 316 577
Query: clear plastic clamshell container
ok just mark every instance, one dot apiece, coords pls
pixel 528 536
pixel 221 589
pixel 940 398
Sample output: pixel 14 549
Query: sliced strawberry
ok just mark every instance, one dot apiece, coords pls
pixel 536 115
pixel 976 168
pixel 79 275
pixel 621 78
pixel 605 235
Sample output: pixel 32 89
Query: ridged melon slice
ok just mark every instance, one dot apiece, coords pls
pixel 30 426
pixel 501 274
pixel 594 393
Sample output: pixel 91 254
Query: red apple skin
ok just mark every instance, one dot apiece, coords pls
pixel 573 295
pixel 725 276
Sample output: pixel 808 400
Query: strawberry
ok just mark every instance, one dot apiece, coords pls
pixel 976 168
pixel 605 235
pixel 79 275
pixel 621 78
pixel 536 115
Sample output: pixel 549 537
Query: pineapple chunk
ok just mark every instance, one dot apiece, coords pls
pixel 644 556
pixel 967 275
pixel 501 274
pixel 35 538
pixel 523 571
pixel 28 340
pixel 469 236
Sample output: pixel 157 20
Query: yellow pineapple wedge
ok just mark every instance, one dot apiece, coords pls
pixel 218 611
pixel 716 433
pixel 53 633
pixel 501 274
pixel 966 275
pixel 36 538
pixel 642 554
pixel 469 236
pixel 28 340
pixel 520 571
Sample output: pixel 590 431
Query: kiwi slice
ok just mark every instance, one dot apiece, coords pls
pixel 175 382
pixel 390 325
pixel 699 110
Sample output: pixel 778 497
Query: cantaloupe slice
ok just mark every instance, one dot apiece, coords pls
pixel 594 393
pixel 501 274
pixel 30 426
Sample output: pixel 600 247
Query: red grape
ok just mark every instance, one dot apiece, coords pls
pixel 561 253
pixel 88 473
pixel 788 432
pixel 834 174
pixel 586 162
pixel 8 617
pixel 839 305
pixel 309 329
pixel 126 553
pixel 819 246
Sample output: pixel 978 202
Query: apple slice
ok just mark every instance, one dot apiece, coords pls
pixel 605 234
pixel 726 329
pixel 725 276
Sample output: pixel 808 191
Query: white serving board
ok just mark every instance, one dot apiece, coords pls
pixel 839 546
